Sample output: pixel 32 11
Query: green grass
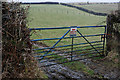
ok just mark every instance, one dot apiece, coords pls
pixel 60 33
pixel 60 16
pixel 103 8
pixel 79 66
pixel 57 15
pixel 46 15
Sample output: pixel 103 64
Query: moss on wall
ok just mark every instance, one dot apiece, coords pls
pixel 113 34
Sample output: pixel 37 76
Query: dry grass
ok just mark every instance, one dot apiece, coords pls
pixel 113 37
pixel 17 61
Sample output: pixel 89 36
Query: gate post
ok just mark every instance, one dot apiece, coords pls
pixel 72 48
pixel 113 33
pixel 109 33
pixel 73 31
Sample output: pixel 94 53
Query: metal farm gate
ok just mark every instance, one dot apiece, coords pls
pixel 77 43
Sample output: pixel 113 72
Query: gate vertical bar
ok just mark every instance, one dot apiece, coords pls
pixel 104 41
pixel 72 48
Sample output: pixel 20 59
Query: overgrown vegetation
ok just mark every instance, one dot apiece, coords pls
pixel 17 60
pixel 113 37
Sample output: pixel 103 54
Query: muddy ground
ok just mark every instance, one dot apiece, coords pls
pixel 104 68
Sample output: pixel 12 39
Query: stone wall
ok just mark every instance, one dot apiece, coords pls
pixel 113 33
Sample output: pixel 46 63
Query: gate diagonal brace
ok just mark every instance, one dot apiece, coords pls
pixel 55 44
pixel 88 42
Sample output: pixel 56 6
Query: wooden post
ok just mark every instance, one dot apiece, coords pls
pixel 109 37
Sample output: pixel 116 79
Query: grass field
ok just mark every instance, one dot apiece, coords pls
pixel 103 8
pixel 60 16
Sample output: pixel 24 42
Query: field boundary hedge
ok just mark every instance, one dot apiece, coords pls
pixel 17 59
pixel 85 10
pixel 113 32
pixel 68 5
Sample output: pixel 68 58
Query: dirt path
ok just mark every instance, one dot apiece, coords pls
pixel 107 69
pixel 59 71
pixel 99 67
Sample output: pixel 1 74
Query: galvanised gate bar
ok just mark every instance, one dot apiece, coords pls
pixel 75 50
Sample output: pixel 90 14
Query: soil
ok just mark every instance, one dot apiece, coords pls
pixel 106 68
